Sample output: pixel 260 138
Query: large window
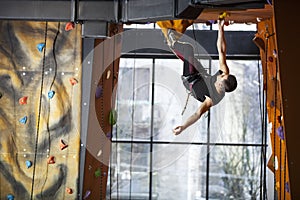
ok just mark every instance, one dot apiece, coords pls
pixel 219 157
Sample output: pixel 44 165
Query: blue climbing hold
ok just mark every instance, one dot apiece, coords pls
pixel 40 46
pixel 10 197
pixel 98 93
pixel 23 120
pixel 210 22
pixel 28 163
pixel 280 132
pixel 287 187
pixel 51 94
pixel 109 135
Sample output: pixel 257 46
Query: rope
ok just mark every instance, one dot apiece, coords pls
pixel 48 114
pixel 132 126
pixel 39 113
pixel 186 102
pixel 117 163
pixel 263 139
pixel 113 85
pixel 102 125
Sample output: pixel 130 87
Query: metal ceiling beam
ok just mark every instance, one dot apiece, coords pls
pixel 59 10
pixel 95 14
pixel 98 10
pixel 36 10
pixel 157 10
pixel 115 10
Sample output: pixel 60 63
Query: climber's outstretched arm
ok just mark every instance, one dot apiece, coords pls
pixel 193 118
pixel 221 45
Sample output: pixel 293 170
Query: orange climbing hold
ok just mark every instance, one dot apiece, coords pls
pixel 51 160
pixel 73 81
pixel 23 100
pixel 69 26
pixel 69 190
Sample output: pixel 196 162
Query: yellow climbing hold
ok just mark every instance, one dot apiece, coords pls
pixel 223 15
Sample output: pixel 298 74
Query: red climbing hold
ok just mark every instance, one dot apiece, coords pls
pixel 69 190
pixel 63 145
pixel 51 160
pixel 69 26
pixel 23 100
pixel 270 58
pixel 73 81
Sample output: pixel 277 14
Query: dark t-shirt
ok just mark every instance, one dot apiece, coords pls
pixel 201 86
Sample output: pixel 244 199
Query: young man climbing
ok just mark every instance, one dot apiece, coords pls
pixel 209 89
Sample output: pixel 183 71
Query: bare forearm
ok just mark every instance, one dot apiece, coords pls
pixel 191 120
pixel 221 42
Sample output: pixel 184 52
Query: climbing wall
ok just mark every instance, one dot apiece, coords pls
pixel 105 76
pixel 40 94
pixel 278 163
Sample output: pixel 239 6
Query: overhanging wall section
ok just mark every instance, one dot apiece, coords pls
pixel 278 161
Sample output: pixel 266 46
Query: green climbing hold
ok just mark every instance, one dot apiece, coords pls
pixel 112 117
pixel 97 172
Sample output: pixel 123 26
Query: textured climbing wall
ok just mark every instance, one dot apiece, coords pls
pixel 278 162
pixel 40 71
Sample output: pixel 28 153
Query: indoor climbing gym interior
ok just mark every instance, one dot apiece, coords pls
pixel 92 96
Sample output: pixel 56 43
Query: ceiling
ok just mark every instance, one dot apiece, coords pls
pixel 237 16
